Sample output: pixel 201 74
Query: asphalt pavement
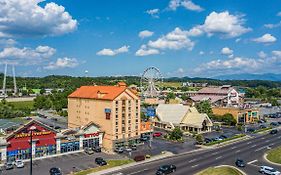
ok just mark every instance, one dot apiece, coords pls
pixel 251 151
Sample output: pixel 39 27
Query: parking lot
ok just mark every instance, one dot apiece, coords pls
pixel 67 163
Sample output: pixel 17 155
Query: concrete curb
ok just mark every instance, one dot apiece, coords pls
pixel 265 158
pixel 242 172
pixel 228 142
pixel 167 154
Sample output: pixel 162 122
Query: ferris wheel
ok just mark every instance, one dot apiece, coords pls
pixel 150 79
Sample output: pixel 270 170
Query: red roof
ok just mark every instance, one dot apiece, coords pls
pixel 98 92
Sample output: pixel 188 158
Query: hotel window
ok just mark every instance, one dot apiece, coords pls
pixel 137 120
pixel 123 129
pixel 116 137
pixel 129 135
pixel 137 133
pixel 129 121
pixel 136 127
pixel 129 128
pixel 116 123
pixel 116 130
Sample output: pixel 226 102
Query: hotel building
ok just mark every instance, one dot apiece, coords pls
pixel 115 109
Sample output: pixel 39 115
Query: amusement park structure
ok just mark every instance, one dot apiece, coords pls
pixel 150 80
pixel 3 93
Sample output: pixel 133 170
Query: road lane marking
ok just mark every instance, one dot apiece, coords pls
pixel 214 153
pixel 136 172
pixel 233 147
pixel 279 137
pixel 249 143
pixel 193 160
pixel 267 141
pixel 219 157
pixel 252 161
pixel 253 146
pixel 194 166
pixel 237 151
pixel 262 138
pixel 260 148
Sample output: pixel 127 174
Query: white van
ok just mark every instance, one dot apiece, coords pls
pixel 268 170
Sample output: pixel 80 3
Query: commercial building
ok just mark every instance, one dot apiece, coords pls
pixel 240 115
pixel 46 141
pixel 225 95
pixel 169 116
pixel 116 109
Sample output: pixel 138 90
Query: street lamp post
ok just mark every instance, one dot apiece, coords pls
pixel 32 128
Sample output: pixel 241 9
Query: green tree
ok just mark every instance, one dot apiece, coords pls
pixel 205 107
pixel 176 134
pixel 199 138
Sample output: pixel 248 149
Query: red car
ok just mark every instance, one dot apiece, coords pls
pixel 157 134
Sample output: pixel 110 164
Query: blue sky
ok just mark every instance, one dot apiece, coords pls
pixel 114 37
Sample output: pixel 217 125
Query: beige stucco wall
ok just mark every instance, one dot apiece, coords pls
pixel 83 111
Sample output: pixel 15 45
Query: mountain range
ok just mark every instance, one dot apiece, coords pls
pixel 245 76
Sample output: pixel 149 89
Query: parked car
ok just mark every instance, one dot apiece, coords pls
pixel 88 151
pixel 279 123
pixel 119 150
pixel 268 170
pixel 54 119
pixel 19 164
pixel 274 124
pixel 57 127
pixel 217 139
pixel 157 134
pixel 166 169
pixel 100 161
pixel 222 136
pixel 240 163
pixel 207 140
pixel 262 126
pixel 147 156
pixel 274 131
pixel 9 166
pixel 128 149
pixel 144 138
pixel 96 149
pixel 139 158
pixel 251 130
pixel 55 171
pixel 133 147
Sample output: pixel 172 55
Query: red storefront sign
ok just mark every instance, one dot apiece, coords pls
pixel 91 135
pixel 21 139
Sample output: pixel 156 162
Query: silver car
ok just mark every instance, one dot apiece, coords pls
pixel 268 170
pixel 19 164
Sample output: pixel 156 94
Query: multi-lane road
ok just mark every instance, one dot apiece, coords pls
pixel 251 151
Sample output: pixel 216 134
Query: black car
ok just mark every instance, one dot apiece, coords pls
pixel 222 136
pixel 207 140
pixel 274 124
pixel 97 149
pixel 100 161
pixel 279 123
pixel 55 171
pixel 251 130
pixel 166 169
pixel 240 163
pixel 262 126
pixel 57 127
pixel 133 147
pixel 274 131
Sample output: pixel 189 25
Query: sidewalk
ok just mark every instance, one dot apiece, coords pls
pixel 119 168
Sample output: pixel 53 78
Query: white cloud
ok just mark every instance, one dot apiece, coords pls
pixel 230 66
pixel 262 54
pixel 180 70
pixel 153 12
pixel 175 40
pixel 266 38
pixel 110 52
pixel 201 53
pixel 7 42
pixel 145 34
pixel 26 56
pixel 238 40
pixel 279 14
pixel 226 51
pixel 144 51
pixel 62 63
pixel 277 53
pixel 271 26
pixel 224 23
pixel 27 18
pixel 187 4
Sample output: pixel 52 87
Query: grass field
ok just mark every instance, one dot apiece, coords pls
pixel 274 155
pixel 220 171
pixel 22 104
pixel 110 164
